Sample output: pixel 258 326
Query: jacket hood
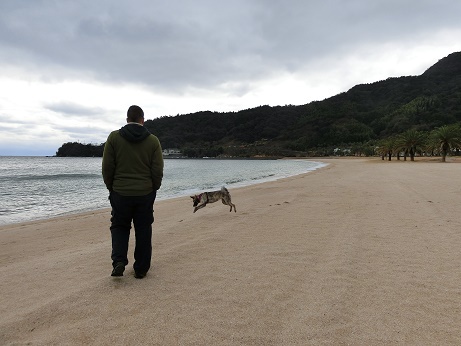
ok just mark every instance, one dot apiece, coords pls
pixel 134 132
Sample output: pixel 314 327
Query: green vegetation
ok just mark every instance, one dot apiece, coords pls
pixel 398 116
pixel 75 149
pixel 446 138
pixel 410 142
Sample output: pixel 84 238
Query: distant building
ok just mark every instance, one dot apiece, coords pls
pixel 173 152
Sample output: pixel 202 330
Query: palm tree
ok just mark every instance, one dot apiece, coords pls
pixel 386 147
pixel 410 142
pixel 447 137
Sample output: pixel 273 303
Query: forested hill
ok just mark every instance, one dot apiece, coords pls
pixel 361 116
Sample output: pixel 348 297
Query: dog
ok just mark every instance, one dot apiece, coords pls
pixel 200 201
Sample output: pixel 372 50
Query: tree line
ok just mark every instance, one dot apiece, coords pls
pixel 354 122
pixel 438 142
pixel 76 149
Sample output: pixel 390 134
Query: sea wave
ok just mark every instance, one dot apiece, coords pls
pixel 54 177
pixel 35 188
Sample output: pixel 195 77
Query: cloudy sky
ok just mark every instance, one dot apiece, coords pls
pixel 70 69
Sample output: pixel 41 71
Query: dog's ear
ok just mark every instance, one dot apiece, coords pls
pixel 193 197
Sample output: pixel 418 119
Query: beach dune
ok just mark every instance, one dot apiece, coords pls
pixel 360 252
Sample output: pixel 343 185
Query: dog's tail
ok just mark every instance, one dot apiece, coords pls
pixel 223 189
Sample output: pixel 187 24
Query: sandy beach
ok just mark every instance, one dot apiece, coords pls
pixel 361 252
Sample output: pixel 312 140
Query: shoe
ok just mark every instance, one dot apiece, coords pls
pixel 139 275
pixel 118 270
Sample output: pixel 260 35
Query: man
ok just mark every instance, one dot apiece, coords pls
pixel 132 169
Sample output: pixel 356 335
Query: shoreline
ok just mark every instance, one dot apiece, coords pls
pixel 159 199
pixel 361 251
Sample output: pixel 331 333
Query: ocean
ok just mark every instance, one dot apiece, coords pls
pixel 33 188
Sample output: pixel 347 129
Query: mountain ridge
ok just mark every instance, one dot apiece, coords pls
pixel 364 114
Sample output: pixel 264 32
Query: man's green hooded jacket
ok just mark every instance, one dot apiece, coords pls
pixel 132 163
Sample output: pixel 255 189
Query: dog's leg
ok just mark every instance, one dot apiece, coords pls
pixel 200 206
pixel 229 203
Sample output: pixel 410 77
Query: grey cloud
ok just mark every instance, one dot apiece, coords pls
pixel 74 109
pixel 15 121
pixel 5 128
pixel 312 30
pixel 202 44
pixel 18 129
pixel 86 133
pixel 80 129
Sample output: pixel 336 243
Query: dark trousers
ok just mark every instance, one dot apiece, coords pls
pixel 140 210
